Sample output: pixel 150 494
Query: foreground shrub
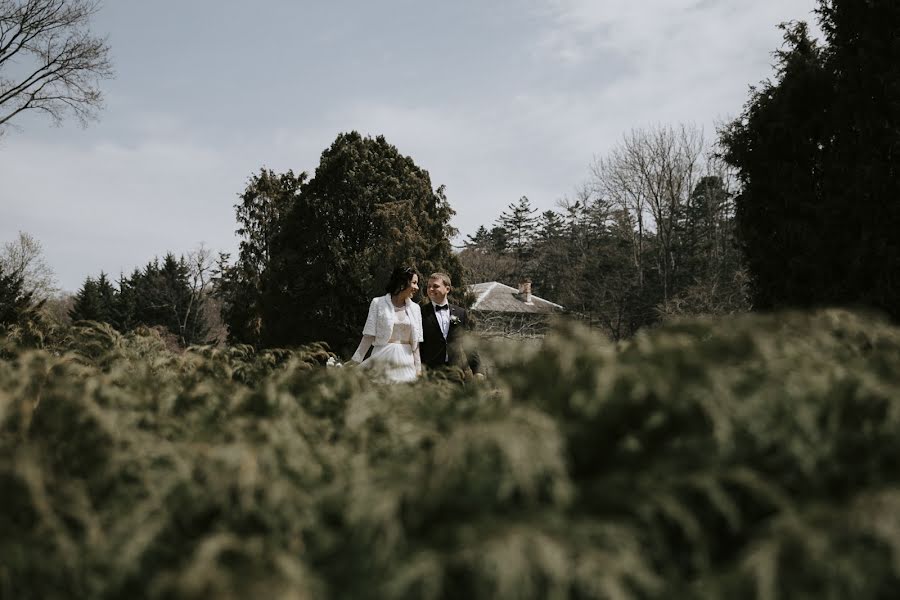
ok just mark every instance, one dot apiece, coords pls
pixel 755 457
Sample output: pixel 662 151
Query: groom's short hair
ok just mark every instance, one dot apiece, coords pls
pixel 443 277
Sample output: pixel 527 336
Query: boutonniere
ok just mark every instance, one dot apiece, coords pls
pixel 454 320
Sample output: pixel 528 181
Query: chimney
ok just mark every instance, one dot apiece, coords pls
pixel 525 291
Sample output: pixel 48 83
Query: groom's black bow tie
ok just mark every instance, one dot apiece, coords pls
pixel 441 307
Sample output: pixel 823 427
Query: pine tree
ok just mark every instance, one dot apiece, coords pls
pixel 703 231
pixel 107 296
pixel 480 240
pixel 549 262
pixel 519 223
pixel 499 239
pixel 87 304
pixel 17 305
pixel 95 301
pixel 171 302
pixel 124 313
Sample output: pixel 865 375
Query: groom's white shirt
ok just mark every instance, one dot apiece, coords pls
pixel 443 317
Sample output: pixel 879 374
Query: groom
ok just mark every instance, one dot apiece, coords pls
pixel 442 326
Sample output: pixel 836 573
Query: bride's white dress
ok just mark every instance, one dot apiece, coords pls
pixel 395 361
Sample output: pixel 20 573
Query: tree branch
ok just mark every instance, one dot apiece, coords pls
pixel 70 62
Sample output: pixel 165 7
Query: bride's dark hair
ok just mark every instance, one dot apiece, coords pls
pixel 400 279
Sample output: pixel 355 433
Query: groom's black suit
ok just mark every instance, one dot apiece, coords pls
pixel 438 352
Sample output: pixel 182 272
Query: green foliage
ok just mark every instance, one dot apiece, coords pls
pixel 815 151
pixel 518 222
pixel 753 458
pixel 260 215
pixel 160 295
pixel 709 275
pixel 95 301
pixel 367 209
pixel 17 305
pixel 165 297
pixel 314 253
pixel 651 237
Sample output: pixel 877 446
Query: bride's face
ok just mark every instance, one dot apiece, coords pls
pixel 412 288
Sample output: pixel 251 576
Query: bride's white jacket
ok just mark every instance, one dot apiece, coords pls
pixel 380 321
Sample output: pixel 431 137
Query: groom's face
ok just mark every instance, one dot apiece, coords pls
pixel 438 290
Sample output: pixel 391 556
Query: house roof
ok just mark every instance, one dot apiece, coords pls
pixel 497 297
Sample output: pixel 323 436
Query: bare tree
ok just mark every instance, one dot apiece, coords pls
pixel 651 174
pixel 49 60
pixel 615 179
pixel 483 265
pixel 25 256
pixel 200 264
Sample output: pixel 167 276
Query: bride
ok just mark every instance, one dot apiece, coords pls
pixel 394 327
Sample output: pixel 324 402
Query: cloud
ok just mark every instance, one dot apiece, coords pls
pixel 112 206
pixel 677 59
pixel 674 61
pixel 657 33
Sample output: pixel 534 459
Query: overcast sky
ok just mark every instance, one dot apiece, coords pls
pixel 494 99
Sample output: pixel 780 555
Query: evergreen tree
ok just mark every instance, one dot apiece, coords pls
pixel 583 259
pixel 603 281
pixel 87 305
pixel 703 231
pixel 159 295
pixel 147 307
pixel 174 293
pixel 124 313
pixel 499 238
pixel 480 240
pixel 106 294
pixel 550 227
pixel 518 221
pixel 17 305
pixel 260 214
pixel 549 263
pixel 95 301
pixel 816 152
pixel 484 259
pixel 166 299
pixel 367 209
pixel 709 272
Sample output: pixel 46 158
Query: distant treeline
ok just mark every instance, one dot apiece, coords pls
pixel 650 235
pixel 170 294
